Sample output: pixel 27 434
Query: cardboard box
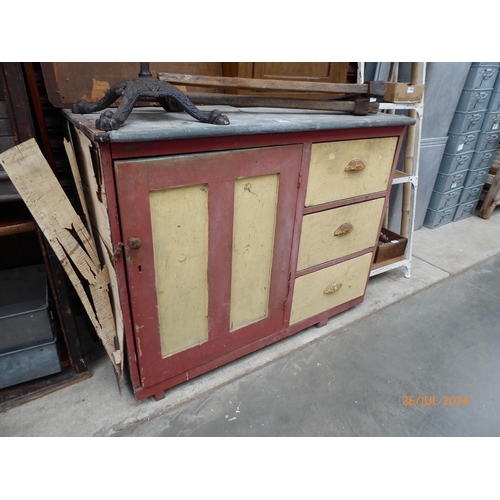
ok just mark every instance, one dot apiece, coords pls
pixel 403 92
pixel 395 247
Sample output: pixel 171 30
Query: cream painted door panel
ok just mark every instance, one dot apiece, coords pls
pixel 328 288
pixel 179 221
pixel 346 169
pixel 339 232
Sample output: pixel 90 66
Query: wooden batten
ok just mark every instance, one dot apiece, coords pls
pixel 264 85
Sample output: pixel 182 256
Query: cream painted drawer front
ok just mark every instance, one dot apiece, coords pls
pixel 339 232
pixel 346 169
pixel 322 290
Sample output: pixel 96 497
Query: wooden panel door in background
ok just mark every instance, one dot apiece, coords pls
pixel 208 240
pixel 326 72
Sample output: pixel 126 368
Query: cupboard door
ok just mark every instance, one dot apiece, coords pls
pixel 208 245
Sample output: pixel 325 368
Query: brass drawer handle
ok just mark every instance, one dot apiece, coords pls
pixel 344 228
pixel 333 287
pixel 354 166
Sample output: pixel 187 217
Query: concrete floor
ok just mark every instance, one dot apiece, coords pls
pixel 436 334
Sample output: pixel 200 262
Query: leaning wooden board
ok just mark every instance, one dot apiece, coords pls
pixel 69 238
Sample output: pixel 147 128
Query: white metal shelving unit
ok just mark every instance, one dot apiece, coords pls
pixel 409 177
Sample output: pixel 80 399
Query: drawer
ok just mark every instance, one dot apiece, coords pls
pixel 24 314
pixel 461 143
pixel 29 363
pixel 487 141
pixel 442 200
pixel 476 177
pixel 470 194
pixel 346 169
pixel 481 77
pixel 491 122
pixel 474 100
pixel 446 182
pixel 494 104
pixel 482 160
pixel 437 218
pixel 322 290
pixel 455 163
pixel 465 123
pixel 465 210
pixel 339 232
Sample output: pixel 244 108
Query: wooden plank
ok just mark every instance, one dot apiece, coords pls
pixel 274 102
pixel 39 115
pixel 60 287
pixel 19 394
pixel 16 226
pixel 90 185
pixel 90 179
pixel 388 262
pixel 255 205
pixel 70 153
pixel 268 85
pixel 67 236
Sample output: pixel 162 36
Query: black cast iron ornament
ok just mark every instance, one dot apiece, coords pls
pixel 144 88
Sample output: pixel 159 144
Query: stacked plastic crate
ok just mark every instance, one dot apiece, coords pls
pixel 28 348
pixel 473 137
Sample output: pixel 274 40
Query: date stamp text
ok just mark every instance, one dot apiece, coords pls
pixel 435 400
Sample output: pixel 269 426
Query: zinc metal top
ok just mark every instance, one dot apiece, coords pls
pixel 154 124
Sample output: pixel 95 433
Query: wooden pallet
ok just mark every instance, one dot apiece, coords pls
pixel 492 197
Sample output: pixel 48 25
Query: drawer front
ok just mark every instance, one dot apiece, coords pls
pixel 346 169
pixel 339 232
pixel 328 288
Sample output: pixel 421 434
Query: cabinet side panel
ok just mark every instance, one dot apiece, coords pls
pixel 179 219
pixel 255 205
